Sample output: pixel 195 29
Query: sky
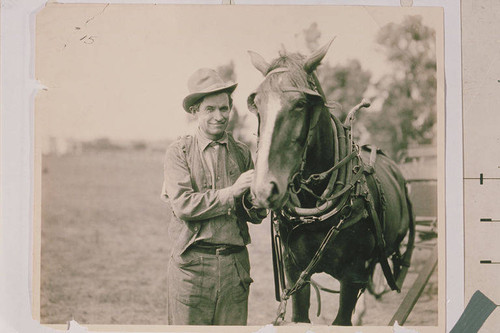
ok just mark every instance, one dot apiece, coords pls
pixel 120 71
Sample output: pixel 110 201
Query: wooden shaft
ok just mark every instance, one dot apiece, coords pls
pixel 416 290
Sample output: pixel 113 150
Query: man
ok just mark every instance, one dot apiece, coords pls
pixel 207 177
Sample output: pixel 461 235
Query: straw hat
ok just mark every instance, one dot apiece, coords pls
pixel 205 82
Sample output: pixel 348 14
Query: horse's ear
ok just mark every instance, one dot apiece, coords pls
pixel 259 62
pixel 314 59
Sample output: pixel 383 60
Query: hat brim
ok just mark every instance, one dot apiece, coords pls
pixel 191 99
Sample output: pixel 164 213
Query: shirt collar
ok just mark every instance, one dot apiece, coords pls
pixel 204 142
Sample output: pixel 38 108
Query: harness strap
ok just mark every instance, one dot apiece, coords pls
pixel 278 70
pixel 306 273
pixel 318 86
pixel 377 224
pixel 327 210
pixel 337 179
pixel 301 90
pixel 279 275
pixel 318 93
pixel 323 175
pixel 379 237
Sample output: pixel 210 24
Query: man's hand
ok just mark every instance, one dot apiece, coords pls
pixel 242 183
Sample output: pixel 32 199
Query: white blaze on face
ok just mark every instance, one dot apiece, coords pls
pixel 262 168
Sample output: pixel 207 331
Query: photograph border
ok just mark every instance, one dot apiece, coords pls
pixel 39 123
pixel 155 328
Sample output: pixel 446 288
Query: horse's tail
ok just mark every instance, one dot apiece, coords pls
pixel 405 260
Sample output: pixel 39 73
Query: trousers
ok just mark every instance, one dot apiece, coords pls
pixel 208 289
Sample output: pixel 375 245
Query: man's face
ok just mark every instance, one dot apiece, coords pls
pixel 213 115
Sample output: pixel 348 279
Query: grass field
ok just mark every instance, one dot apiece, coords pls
pixel 105 249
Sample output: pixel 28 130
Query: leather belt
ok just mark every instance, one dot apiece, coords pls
pixel 216 249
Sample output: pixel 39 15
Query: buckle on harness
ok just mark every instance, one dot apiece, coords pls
pixel 309 219
pixel 295 184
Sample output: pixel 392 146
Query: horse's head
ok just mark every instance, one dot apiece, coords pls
pixel 285 104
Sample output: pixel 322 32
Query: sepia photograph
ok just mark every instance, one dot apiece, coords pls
pixel 239 166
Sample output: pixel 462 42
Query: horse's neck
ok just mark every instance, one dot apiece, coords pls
pixel 320 152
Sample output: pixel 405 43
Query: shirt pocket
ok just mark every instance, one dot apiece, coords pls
pixel 233 170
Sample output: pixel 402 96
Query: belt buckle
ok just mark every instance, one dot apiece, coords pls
pixel 221 250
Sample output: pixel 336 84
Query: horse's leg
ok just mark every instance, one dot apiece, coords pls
pixel 359 311
pixel 348 297
pixel 300 300
pixel 300 305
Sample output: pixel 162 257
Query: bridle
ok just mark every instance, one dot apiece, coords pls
pixel 347 162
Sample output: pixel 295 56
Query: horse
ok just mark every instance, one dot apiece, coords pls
pixel 338 208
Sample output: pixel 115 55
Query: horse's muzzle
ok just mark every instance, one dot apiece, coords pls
pixel 267 195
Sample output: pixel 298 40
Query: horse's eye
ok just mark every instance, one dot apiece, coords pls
pixel 300 104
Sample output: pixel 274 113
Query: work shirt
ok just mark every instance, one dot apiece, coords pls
pixel 196 182
pixel 223 229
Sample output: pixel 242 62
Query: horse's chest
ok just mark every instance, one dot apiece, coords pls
pixel 352 246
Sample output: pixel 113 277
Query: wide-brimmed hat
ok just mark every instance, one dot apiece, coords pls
pixel 205 82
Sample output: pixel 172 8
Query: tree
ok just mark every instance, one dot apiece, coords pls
pixel 345 84
pixel 408 114
pixel 311 37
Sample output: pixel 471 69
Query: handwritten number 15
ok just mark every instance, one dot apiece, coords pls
pixel 88 39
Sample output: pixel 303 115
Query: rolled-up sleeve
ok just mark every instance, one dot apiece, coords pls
pixel 186 203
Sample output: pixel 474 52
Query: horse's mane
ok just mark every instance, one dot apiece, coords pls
pixel 289 60
pixel 296 75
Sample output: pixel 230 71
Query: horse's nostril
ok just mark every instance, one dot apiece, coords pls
pixel 267 193
pixel 274 189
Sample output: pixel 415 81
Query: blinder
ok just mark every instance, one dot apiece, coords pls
pixel 251 103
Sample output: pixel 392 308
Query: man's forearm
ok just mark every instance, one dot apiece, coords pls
pixel 195 206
